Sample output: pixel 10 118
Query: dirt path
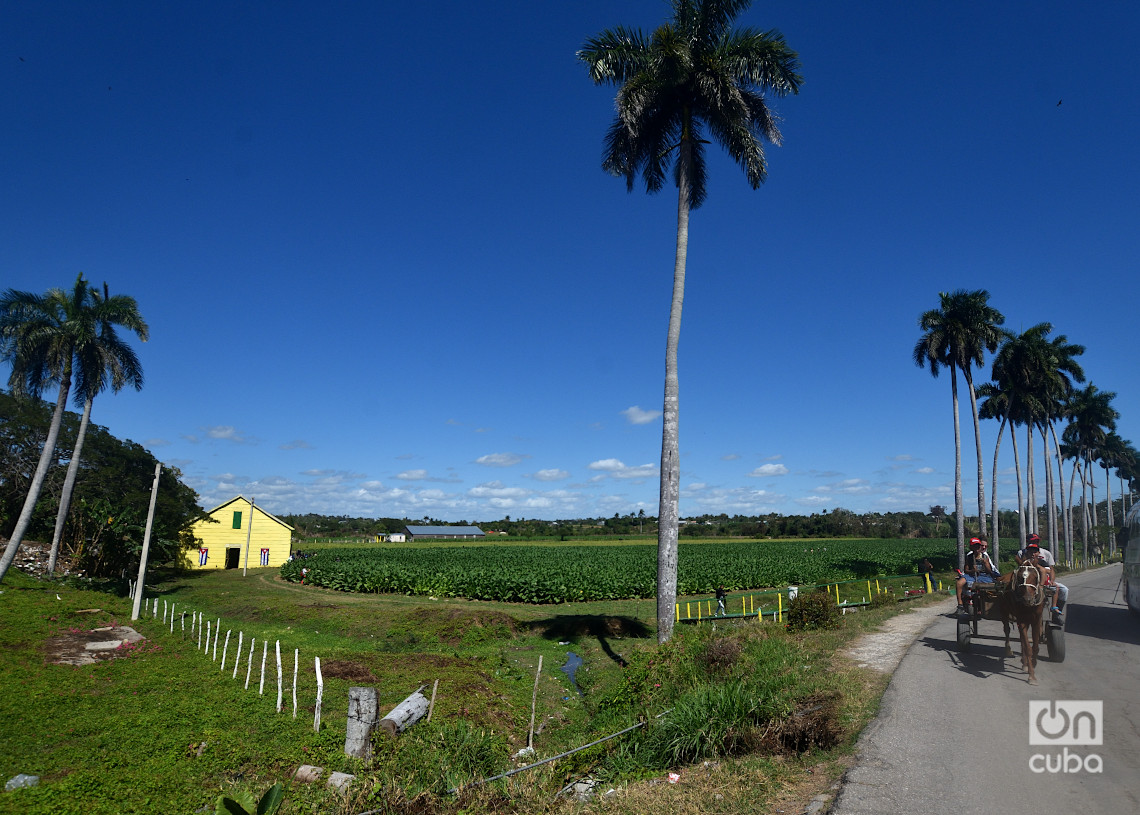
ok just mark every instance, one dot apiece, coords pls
pixel 883 650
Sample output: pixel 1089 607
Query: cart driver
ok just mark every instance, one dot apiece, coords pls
pixel 1033 553
pixel 979 568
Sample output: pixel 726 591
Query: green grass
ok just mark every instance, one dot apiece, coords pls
pixel 122 736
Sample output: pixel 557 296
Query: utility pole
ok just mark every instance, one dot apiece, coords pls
pixel 146 543
pixel 248 535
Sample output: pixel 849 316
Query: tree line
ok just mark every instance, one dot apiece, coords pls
pixel 1033 390
pixel 105 523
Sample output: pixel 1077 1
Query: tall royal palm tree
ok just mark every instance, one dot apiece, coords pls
pixel 994 405
pixel 40 335
pixel 102 359
pixel 957 336
pixel 1091 418
pixel 1035 376
pixel 694 79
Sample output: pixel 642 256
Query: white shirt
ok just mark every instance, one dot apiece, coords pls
pixel 1045 555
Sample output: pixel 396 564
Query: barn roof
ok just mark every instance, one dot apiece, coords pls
pixel 255 506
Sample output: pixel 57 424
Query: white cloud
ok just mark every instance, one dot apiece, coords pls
pixel 730 457
pixel 608 464
pixel 412 475
pixel 550 475
pixel 766 470
pixel 924 470
pixel 496 489
pixel 635 415
pixel 296 444
pixel 225 432
pixel 499 459
pixel 615 468
pixel 849 486
pixel 149 443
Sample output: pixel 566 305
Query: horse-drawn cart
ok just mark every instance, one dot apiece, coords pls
pixel 983 601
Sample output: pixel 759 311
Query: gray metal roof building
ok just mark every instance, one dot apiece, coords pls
pixel 445 532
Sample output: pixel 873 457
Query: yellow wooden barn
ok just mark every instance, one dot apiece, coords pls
pixel 222 545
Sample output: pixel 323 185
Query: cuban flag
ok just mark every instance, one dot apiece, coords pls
pixel 203 554
pixel 264 557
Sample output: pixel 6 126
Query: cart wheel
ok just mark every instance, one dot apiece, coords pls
pixel 964 636
pixel 1055 639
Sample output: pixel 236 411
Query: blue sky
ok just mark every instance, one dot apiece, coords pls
pixel 385 275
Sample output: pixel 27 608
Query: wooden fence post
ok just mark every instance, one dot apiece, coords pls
pixel 249 662
pixel 277 649
pixel 320 693
pixel 533 702
pixel 362 716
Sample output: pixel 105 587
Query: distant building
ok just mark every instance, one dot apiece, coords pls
pixel 396 537
pixel 223 544
pixel 445 533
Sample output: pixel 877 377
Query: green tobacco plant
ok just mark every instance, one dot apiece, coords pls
pixel 243 803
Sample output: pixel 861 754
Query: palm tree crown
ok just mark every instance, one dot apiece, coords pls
pixel 693 76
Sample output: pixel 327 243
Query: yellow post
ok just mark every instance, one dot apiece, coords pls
pixel 752 602
pixel 876 585
pixel 743 607
pixel 698 611
pixel 780 607
pixel 677 611
pixel 688 611
pixel 868 589
pixel 929 588
pixel 836 594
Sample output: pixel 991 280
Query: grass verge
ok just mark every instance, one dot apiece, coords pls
pixel 757 711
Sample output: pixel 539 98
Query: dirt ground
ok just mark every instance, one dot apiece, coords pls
pixel 79 647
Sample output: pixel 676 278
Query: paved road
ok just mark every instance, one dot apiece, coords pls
pixel 953 730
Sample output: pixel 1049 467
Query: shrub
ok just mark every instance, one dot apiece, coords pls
pixel 809 612
pixel 882 600
pixel 720 656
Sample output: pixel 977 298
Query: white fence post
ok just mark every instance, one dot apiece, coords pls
pixel 264 653
pixel 320 693
pixel 225 649
pixel 237 658
pixel 249 662
pixel 277 649
pixel 296 654
pixel 208 629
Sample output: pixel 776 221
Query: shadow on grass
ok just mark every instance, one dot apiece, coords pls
pixel 574 627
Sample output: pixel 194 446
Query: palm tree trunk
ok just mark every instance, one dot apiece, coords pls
pixel 978 449
pixel 668 511
pixel 1072 497
pixel 1088 474
pixel 1084 516
pixel 37 485
pixel 68 486
pixel 959 512
pixel 993 495
pixel 1108 492
pixel 1030 481
pixel 1050 495
pixel 1020 504
pixel 1065 525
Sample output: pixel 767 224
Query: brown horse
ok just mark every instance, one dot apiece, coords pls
pixel 1024 603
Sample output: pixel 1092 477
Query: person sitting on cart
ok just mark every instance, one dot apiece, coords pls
pixel 979 569
pixel 1033 553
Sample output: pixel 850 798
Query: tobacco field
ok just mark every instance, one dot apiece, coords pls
pixel 571 573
